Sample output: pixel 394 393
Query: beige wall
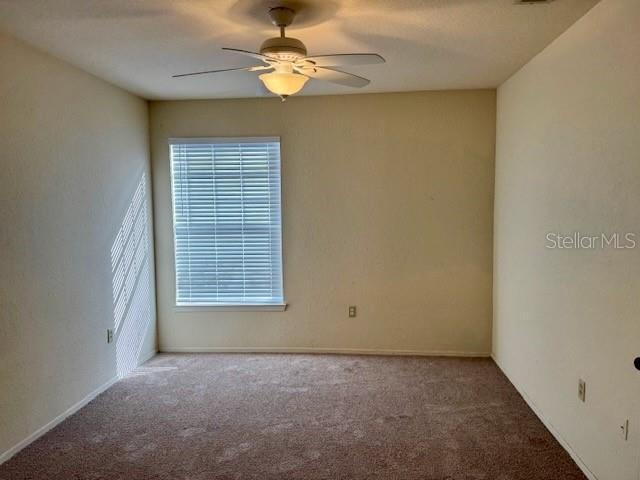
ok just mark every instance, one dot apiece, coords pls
pixel 74 151
pixel 387 205
pixel 568 160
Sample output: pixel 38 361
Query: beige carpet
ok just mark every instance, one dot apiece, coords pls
pixel 242 416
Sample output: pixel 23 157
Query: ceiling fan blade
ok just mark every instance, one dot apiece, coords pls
pixel 335 76
pixel 259 56
pixel 247 69
pixel 343 59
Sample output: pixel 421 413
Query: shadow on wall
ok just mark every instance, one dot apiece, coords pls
pixel 131 282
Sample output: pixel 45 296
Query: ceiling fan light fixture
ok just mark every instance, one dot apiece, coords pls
pixel 283 83
pixel 291 66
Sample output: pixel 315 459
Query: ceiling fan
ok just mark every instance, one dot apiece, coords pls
pixel 290 67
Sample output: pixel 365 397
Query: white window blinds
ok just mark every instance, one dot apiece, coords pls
pixel 227 221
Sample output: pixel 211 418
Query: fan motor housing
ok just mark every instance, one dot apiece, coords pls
pixel 284 48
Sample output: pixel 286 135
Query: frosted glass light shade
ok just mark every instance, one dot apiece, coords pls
pixel 283 83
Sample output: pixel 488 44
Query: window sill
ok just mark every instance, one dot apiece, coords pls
pixel 269 307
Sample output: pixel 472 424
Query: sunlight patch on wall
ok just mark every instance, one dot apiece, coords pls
pixel 131 282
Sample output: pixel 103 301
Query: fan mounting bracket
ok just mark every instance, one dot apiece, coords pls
pixel 282 16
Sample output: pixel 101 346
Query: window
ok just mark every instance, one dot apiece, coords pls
pixel 227 221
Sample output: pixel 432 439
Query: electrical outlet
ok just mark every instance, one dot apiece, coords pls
pixel 624 430
pixel 582 390
pixel 109 335
pixel 352 311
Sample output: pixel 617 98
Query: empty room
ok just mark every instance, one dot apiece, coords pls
pixel 320 239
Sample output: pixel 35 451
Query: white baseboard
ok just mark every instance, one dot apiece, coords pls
pixel 342 351
pixel 4 456
pixel 547 423
pixel 147 356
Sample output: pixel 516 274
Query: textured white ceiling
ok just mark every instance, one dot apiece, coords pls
pixel 428 44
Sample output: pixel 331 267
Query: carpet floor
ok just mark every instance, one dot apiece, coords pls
pixel 264 416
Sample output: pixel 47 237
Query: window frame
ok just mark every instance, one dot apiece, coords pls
pixel 227 307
